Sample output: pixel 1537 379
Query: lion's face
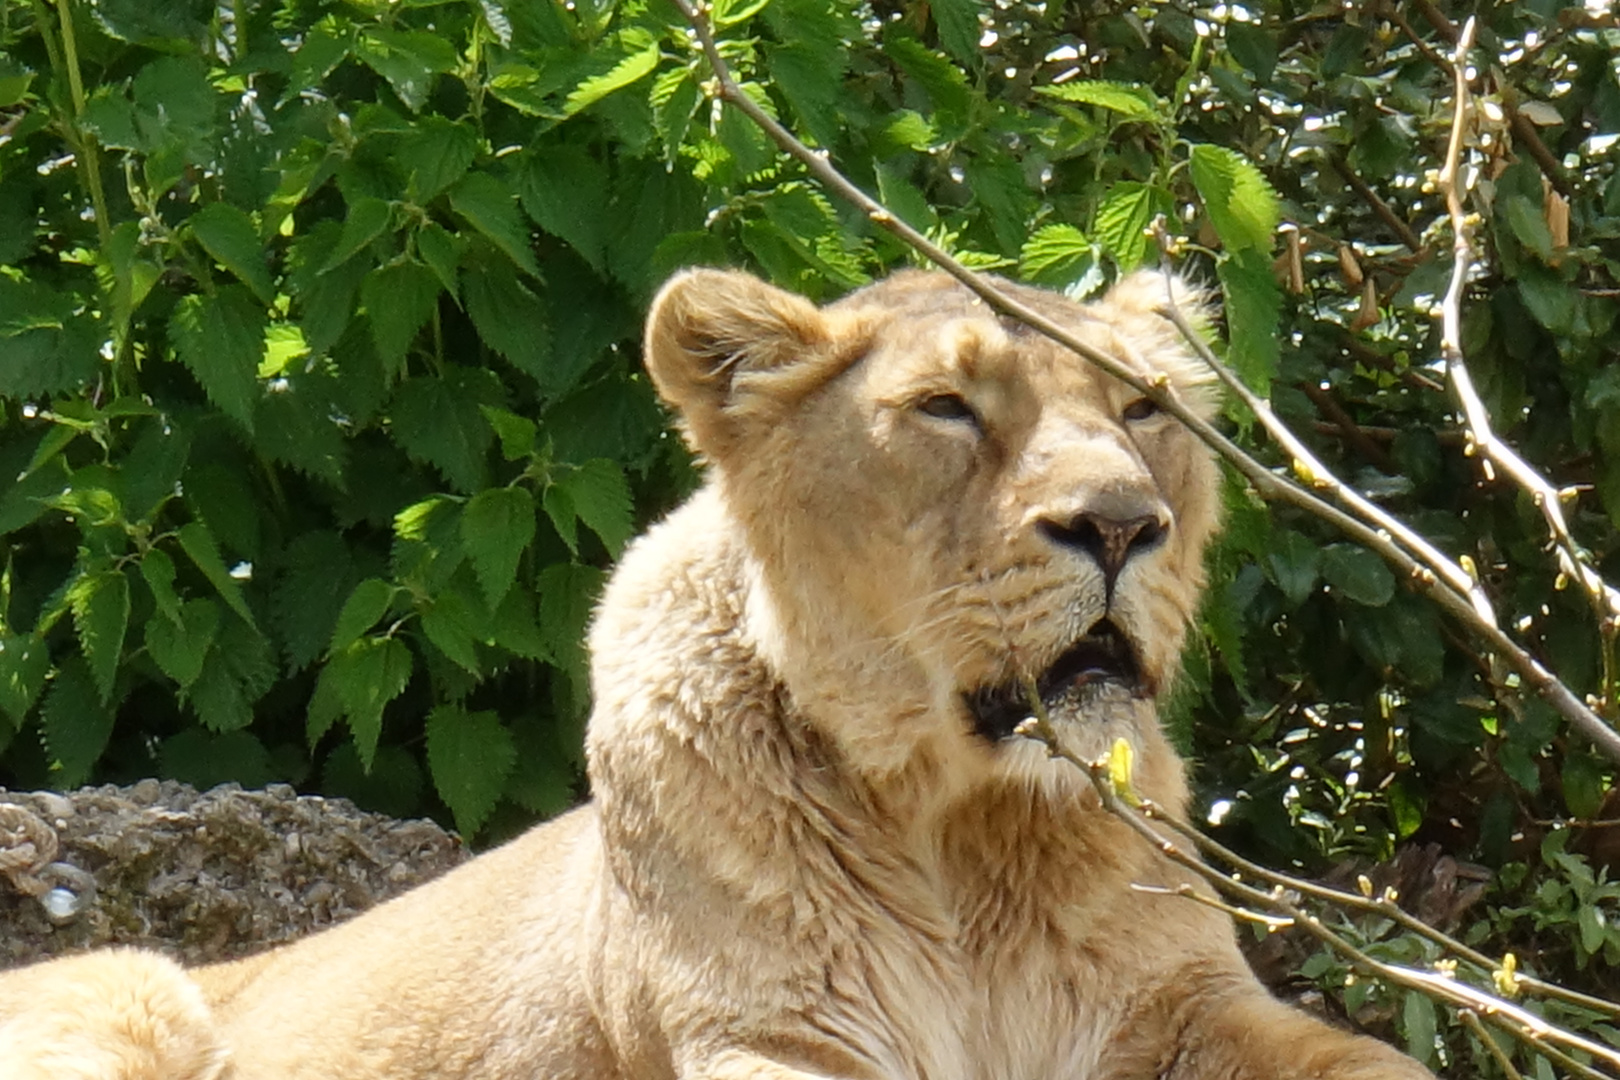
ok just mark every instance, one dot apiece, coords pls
pixel 942 498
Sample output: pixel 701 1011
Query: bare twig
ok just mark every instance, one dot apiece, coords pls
pixel 1574 562
pixel 1470 1020
pixel 1403 232
pixel 1157 388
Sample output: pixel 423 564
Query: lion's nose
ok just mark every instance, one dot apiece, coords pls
pixel 1112 529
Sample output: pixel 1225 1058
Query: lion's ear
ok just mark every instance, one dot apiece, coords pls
pixel 732 353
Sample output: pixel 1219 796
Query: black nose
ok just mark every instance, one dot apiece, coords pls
pixel 1111 531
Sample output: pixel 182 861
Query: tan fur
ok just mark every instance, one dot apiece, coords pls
pixel 802 862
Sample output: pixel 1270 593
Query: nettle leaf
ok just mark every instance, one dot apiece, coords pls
pixel 239 669
pixel 318 572
pixel 408 59
pixel 509 317
pixel 47 348
pixel 439 420
pixel 441 250
pixel 364 678
pixel 367 219
pixel 496 527
pixel 203 759
pixel 561 188
pixel 1292 565
pixel 366 604
pixel 1241 203
pixel 198 542
pixel 517 433
pixel 960 26
pixel 1358 574
pixel 560 509
pixel 568 592
pixel 100 603
pixel 635 66
pixel 228 235
pixel 1131 101
pixel 399 298
pixel 600 495
pixel 158 571
pixel 1123 219
pixel 436 154
pixel 75 724
pixel 470 755
pixel 220 338
pixel 451 624
pixel 179 645
pixel 24 662
pixel 491 207
pixel 1253 306
pixel 515 629
pixel 1056 255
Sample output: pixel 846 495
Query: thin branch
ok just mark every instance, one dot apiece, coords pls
pixel 1470 1020
pixel 1157 389
pixel 1346 426
pixel 1573 561
pixel 1403 232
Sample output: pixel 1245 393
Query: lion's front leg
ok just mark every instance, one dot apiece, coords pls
pixel 1234 1030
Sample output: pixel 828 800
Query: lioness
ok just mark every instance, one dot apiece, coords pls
pixel 816 849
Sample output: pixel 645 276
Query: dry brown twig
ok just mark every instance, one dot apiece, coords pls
pixel 1437 581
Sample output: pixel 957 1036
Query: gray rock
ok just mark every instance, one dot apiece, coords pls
pixel 201 875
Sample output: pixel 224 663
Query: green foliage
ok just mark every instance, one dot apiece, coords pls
pixel 323 419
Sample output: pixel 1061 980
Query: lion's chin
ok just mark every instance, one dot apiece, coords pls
pixel 1101 665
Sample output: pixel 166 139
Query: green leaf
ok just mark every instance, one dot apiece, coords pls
pixel 205 760
pixel 470 755
pixel 1593 927
pixel 1418 1018
pixel 1254 47
pixel 366 604
pixel 1056 255
pixel 449 623
pixel 100 603
pixel 239 669
pixel 1253 306
pixel 561 188
pixel 600 495
pixel 496 527
pixel 24 662
pixel 400 299
pixel 564 518
pixel 392 786
pixel 228 235
pixel 75 724
pixel 568 592
pixel 435 155
pixel 317 575
pixel 158 570
pixel 408 59
pixel 509 317
pixel 514 627
pixel 366 676
pixel 1583 784
pixel 178 646
pixel 367 219
pixel 198 543
pixel 491 207
pixel 439 420
pixel 1292 565
pixel 515 432
pixel 1358 574
pixel 1123 219
pixel 1241 203
pixel 960 26
pixel 220 338
pixel 1131 101
pixel 441 250
pixel 636 66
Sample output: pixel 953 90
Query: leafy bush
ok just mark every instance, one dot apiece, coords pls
pixel 317 347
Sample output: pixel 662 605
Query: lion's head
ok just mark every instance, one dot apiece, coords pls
pixel 940 501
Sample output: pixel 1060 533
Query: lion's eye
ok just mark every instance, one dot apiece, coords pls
pixel 1140 409
pixel 949 407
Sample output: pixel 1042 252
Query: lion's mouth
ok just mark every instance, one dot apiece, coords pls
pixel 1104 655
